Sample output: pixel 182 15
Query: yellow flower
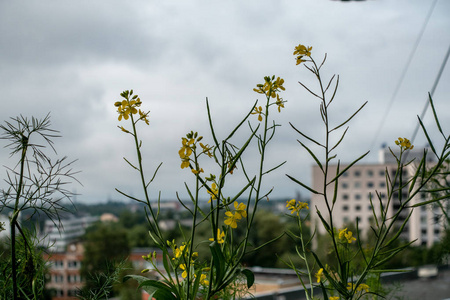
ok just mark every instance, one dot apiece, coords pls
pixel 347 235
pixel 220 237
pixel 258 111
pixel 183 267
pixel 404 144
pixel 186 148
pixel 232 219
pixel 319 275
pixel 296 206
pixel 127 107
pixel 350 286
pixel 279 103
pixel 270 87
pixel 143 116
pixel 206 149
pixel 333 298
pixel 278 84
pixel 241 209
pixel 203 279
pixel 185 163
pixel 197 171
pixel 363 287
pixel 178 251
pixel 214 192
pixel 301 51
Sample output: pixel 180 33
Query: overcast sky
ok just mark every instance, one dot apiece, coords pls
pixel 74 58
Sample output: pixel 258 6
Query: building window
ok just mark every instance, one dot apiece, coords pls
pixel 357 208
pixel 370 184
pixel 357 184
pixel 345 196
pixel 345 207
pixel 73 264
pixel 345 174
pixel 58 264
pixel 381 173
pixel 369 173
pixel 344 185
pixel 58 293
pixel 357 197
pixel 357 173
pixel 382 184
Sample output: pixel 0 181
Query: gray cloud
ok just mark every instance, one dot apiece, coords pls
pixel 74 58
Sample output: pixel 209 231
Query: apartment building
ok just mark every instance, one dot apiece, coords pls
pixel 64 278
pixel 57 236
pixel 361 183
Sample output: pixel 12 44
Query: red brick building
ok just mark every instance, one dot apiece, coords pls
pixel 64 278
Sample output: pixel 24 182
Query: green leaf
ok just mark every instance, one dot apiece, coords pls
pixel 312 154
pixel 303 185
pixel 218 261
pixel 250 277
pixel 158 290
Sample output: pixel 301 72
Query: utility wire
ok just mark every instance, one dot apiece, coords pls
pixel 427 103
pixel 403 75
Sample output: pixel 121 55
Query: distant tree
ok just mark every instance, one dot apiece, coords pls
pixel 105 246
pixel 130 219
pixel 138 237
pixel 269 226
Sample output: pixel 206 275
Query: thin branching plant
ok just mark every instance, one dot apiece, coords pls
pixel 37 184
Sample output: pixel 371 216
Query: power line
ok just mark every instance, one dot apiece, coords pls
pixel 427 103
pixel 403 75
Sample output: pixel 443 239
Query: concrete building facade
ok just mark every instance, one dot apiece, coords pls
pixel 365 182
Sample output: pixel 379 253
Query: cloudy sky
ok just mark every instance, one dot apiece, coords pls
pixel 74 58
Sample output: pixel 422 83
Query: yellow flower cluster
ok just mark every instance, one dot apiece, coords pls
pixel 319 275
pixel 203 279
pixel 239 213
pixel 271 88
pixel 128 107
pixel 346 235
pixel 333 298
pixel 220 237
pixel 404 144
pixel 188 145
pixel 296 206
pixel 301 51
pixel 362 287
pixel 214 192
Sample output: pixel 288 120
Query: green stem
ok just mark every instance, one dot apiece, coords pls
pixel 15 217
pixel 144 184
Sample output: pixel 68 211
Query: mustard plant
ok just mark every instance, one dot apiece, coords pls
pixel 185 275
pixel 341 280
